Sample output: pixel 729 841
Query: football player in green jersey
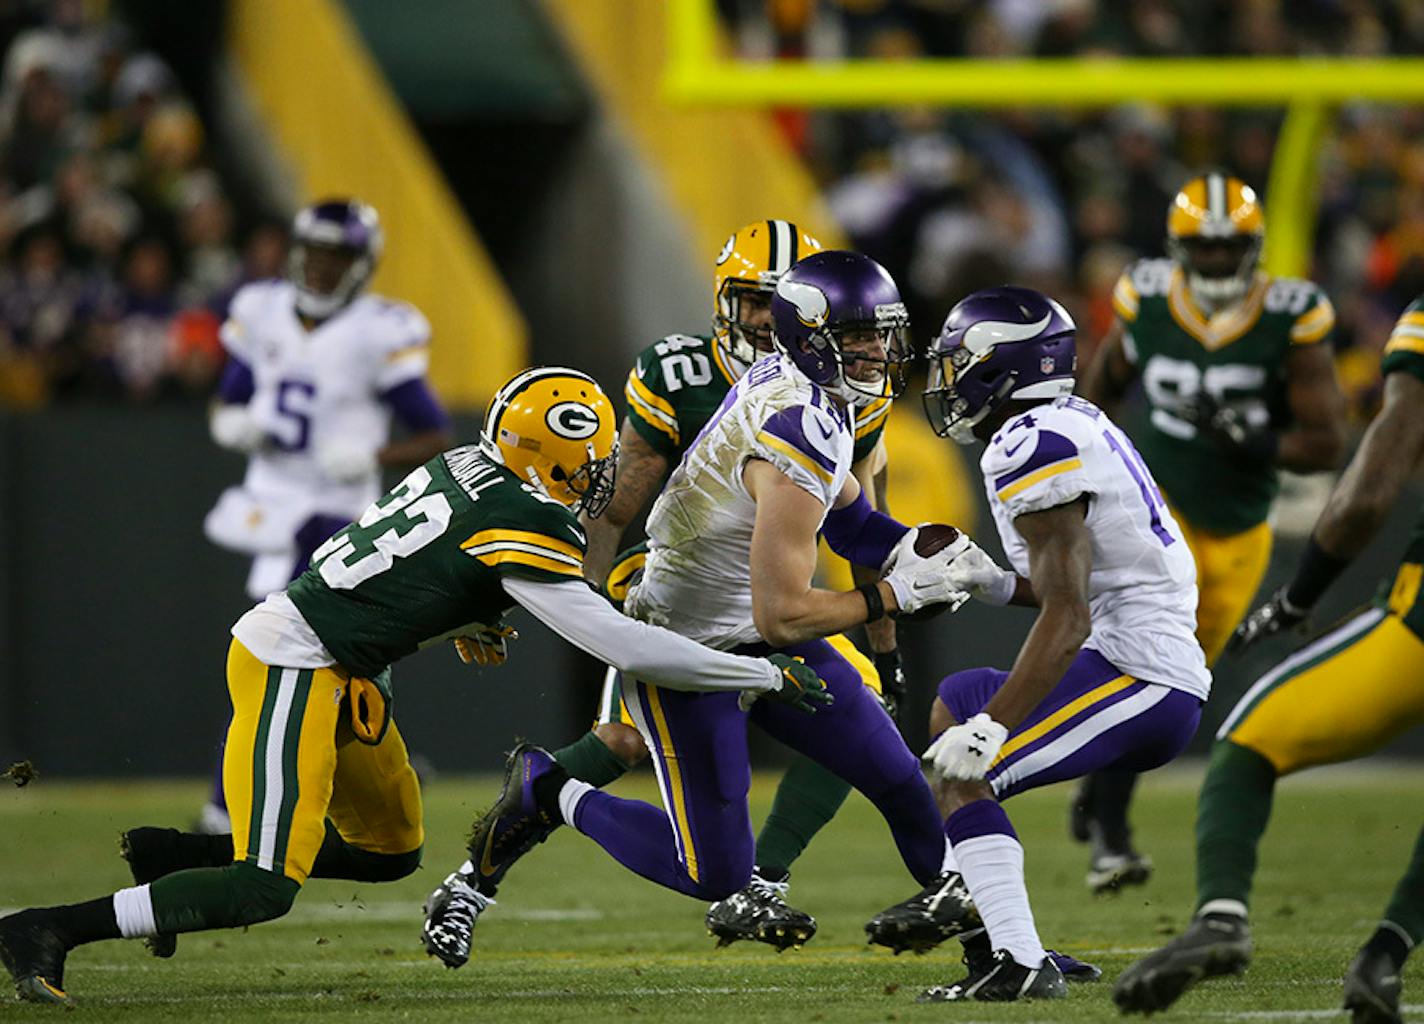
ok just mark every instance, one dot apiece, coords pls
pixel 316 773
pixel 1342 696
pixel 674 387
pixel 1240 383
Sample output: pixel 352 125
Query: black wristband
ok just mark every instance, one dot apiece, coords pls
pixel 874 603
pixel 1317 570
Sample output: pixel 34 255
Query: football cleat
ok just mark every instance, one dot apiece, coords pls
pixel 516 823
pixel 149 852
pixel 1110 872
pixel 451 912
pixel 1074 971
pixel 1212 946
pixel 978 953
pixel 1000 979
pixel 939 911
pixel 1372 988
pixel 33 953
pixel 759 912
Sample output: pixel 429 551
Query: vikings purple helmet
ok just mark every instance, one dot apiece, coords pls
pixel 997 344
pixel 834 297
pixel 346 230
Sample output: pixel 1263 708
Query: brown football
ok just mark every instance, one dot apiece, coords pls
pixel 932 537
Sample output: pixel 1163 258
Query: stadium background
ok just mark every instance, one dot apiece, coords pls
pixel 545 203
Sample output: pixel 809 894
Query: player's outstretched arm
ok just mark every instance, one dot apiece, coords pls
pixel 639 475
pixel 1110 373
pixel 1358 506
pixel 1316 438
pixel 1060 555
pixel 646 652
pixel 872 474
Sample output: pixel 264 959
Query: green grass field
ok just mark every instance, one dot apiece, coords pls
pixel 576 937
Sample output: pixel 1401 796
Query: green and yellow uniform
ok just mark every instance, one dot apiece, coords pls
pixel 1238 357
pixel 672 391
pixel 1361 684
pixel 312 735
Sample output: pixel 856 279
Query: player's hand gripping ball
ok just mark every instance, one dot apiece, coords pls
pixel 918 571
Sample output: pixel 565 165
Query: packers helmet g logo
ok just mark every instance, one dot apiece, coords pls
pixel 572 420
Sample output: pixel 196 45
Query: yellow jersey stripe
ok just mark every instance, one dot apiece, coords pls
pixel 1038 476
pixel 721 361
pixel 645 393
pixel 674 780
pixel 649 415
pixel 410 350
pixel 542 540
pixel 1062 715
pixel 1400 342
pixel 1417 319
pixel 1125 299
pixel 512 555
pixel 1314 325
pixel 875 415
pixel 795 455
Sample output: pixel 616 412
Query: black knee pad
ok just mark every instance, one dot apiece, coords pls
pixel 259 895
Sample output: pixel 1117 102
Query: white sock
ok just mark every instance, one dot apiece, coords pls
pixel 992 866
pixel 1234 907
pixel 949 863
pixel 133 909
pixel 569 796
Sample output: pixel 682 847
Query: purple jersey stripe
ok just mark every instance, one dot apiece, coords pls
pixel 786 425
pixel 1052 447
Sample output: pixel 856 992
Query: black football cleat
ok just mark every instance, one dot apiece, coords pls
pixel 1372 989
pixel 978 953
pixel 939 911
pixel 33 953
pixel 999 979
pixel 1112 872
pixel 451 912
pixel 1212 946
pixel 759 912
pixel 516 823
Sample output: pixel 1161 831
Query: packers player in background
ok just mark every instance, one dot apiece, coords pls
pixel 316 370
pixel 316 772
pixel 1341 696
pixel 674 387
pixel 1240 383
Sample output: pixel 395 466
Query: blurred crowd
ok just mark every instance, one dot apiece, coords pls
pixel 120 245
pixel 1064 199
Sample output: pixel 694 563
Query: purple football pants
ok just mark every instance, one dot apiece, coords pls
pixel 700 841
pixel 1096 717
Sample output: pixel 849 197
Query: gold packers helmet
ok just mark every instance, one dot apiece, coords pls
pixel 752 261
pixel 1215 229
pixel 555 428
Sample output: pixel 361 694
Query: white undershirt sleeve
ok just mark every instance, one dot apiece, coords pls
pixel 650 653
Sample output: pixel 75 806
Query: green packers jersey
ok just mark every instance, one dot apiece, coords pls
pixel 678 383
pixel 1404 353
pixel 428 558
pixel 1238 357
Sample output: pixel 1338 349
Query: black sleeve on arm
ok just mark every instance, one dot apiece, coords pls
pixel 1317 570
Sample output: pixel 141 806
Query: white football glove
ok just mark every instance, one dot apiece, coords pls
pixel 973 570
pixel 235 428
pixel 486 646
pixel 920 581
pixel 966 751
pixel 344 462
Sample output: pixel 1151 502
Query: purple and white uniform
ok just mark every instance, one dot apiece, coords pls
pixel 697 582
pixel 1132 698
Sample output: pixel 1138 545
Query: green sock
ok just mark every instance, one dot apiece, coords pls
pixel 1232 812
pixel 339 859
pixel 228 897
pixel 588 759
pixel 1406 909
pixel 808 797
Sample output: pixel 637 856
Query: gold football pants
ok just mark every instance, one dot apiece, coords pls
pixel 1229 572
pixel 292 760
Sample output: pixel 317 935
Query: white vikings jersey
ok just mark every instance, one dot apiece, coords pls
pixel 1143 586
pixel 320 388
pixel 697 580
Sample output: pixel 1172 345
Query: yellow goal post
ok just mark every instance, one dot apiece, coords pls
pixel 698 72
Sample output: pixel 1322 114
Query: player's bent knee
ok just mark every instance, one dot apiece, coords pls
pixel 624 742
pixel 389 867
pixel 260 895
